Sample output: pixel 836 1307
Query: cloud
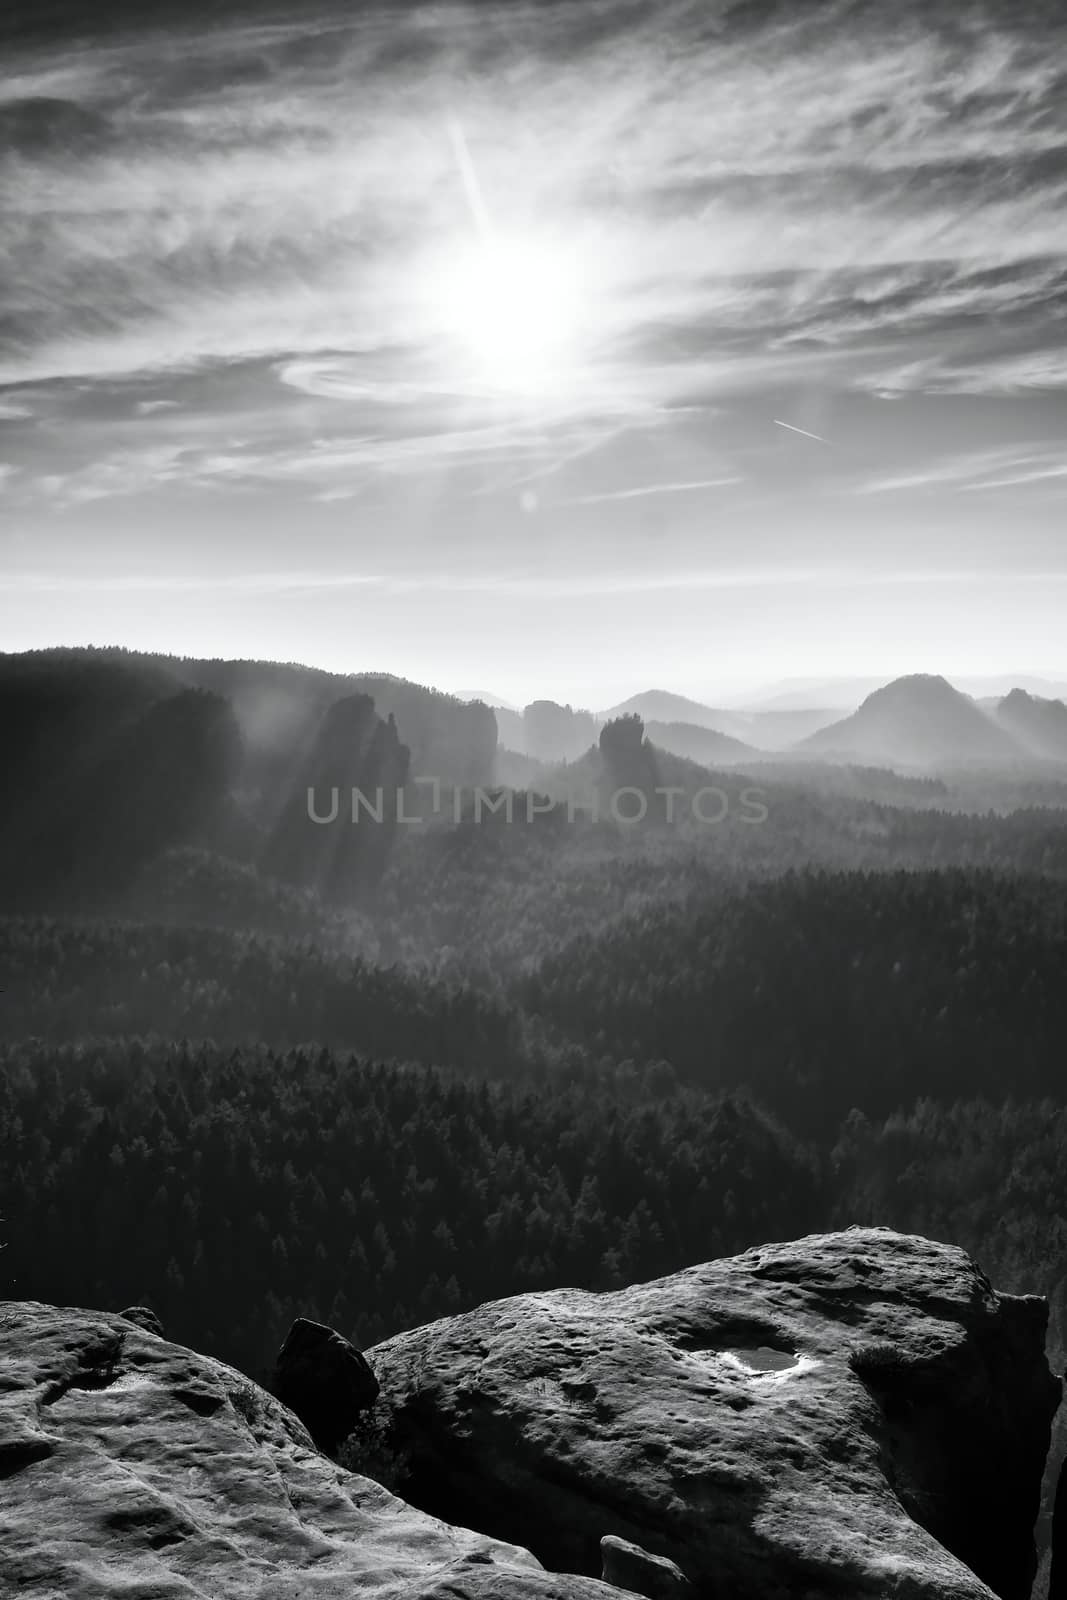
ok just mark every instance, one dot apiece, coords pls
pixel 642 490
pixel 755 178
pixel 571 585
pixel 971 472
pixel 976 372
pixel 879 204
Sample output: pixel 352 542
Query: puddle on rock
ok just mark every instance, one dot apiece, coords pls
pixel 762 1360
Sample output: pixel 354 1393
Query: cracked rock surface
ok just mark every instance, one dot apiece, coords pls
pixel 856 1415
pixel 132 1466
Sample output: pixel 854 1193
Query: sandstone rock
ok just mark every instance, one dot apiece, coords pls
pixel 629 1567
pixel 325 1380
pixel 855 1415
pixel 144 1318
pixel 131 1466
pixel 1057 1578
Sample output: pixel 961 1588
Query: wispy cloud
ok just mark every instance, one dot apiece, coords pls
pixel 749 202
pixel 709 174
pixel 972 472
pixel 523 584
pixel 640 491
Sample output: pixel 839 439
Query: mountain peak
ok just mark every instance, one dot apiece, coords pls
pixel 920 720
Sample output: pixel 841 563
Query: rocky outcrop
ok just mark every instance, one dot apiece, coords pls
pixel 325 1380
pixel 144 1318
pixel 326 838
pixel 129 1465
pixel 629 1567
pixel 1057 1578
pixel 856 1414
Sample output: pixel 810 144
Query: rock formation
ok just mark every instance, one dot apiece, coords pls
pixel 325 1380
pixel 144 1318
pixel 855 1414
pixel 326 838
pixel 129 1465
pixel 1057 1580
pixel 628 1567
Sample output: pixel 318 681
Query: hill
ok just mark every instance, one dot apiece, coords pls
pixel 764 728
pixel 1039 726
pixel 703 745
pixel 114 759
pixel 279 704
pixel 659 705
pixel 916 721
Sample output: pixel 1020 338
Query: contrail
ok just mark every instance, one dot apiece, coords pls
pixel 804 431
pixel 471 185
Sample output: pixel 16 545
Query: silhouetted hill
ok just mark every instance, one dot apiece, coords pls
pixel 113 759
pixel 917 721
pixel 659 705
pixel 487 697
pixel 278 704
pixel 105 774
pixel 763 729
pixel 703 745
pixel 1040 726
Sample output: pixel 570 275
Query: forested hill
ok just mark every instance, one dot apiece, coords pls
pixel 120 766
pixel 232 1190
pixel 113 759
pixel 823 991
pixel 816 992
pixel 275 702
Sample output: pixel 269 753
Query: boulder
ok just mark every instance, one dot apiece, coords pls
pixel 144 1318
pixel 629 1567
pixel 325 1380
pixel 131 1466
pixel 856 1414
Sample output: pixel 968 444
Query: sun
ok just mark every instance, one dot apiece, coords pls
pixel 511 309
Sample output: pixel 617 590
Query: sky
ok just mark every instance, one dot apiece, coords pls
pixel 559 350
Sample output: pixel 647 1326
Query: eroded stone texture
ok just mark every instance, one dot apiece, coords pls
pixel 1057 1582
pixel 900 1455
pixel 629 1567
pixel 131 1466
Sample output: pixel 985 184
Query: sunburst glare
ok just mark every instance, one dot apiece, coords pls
pixel 513 310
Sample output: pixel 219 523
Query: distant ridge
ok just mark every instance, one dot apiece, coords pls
pixel 847 693
pixel 660 705
pixel 706 746
pixel 486 697
pixel 1040 726
pixel 917 721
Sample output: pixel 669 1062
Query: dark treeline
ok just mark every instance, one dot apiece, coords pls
pixel 822 991
pixel 66 980
pixel 232 1190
